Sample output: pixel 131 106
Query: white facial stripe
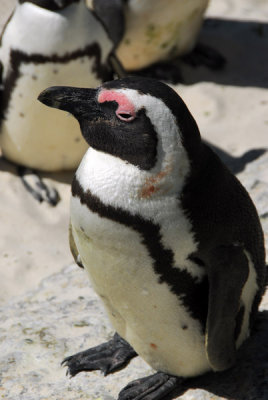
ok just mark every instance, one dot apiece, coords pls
pixel 171 156
pixel 159 114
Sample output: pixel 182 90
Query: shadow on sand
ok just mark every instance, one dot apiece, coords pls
pixel 244 46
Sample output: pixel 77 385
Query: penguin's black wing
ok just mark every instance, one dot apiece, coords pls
pixel 116 66
pixel 73 248
pixel 111 14
pixel 228 271
pixel 227 227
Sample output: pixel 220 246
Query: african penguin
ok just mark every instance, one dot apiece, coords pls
pixel 157 31
pixel 170 239
pixel 48 42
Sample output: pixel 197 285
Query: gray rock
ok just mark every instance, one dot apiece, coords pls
pixel 61 317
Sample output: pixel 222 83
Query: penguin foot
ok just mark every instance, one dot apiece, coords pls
pixel 153 387
pixel 108 357
pixel 205 55
pixel 36 187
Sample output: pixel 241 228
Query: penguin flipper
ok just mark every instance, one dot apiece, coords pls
pixel 227 274
pixel 36 187
pixel 73 248
pixel 236 164
pixel 153 387
pixel 111 14
pixel 108 357
pixel 116 66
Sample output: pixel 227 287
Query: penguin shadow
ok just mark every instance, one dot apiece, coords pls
pixel 7 166
pixel 248 379
pixel 243 44
pixel 237 164
pixel 228 52
pixel 59 176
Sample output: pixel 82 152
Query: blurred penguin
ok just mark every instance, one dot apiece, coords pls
pixel 156 31
pixel 48 42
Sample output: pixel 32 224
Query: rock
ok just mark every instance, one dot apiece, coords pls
pixel 63 315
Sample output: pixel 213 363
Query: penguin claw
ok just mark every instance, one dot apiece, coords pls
pixel 108 357
pixel 36 187
pixel 153 387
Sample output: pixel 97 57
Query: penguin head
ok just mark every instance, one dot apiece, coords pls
pixel 142 121
pixel 52 5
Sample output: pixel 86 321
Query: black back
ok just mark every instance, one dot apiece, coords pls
pixel 221 213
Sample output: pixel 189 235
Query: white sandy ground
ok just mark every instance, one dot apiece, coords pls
pixel 230 106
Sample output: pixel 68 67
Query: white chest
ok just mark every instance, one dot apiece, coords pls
pixel 142 310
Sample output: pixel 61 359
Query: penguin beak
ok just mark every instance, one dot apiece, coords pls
pixel 77 101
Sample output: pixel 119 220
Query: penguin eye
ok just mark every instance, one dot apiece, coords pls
pixel 125 107
pixel 125 115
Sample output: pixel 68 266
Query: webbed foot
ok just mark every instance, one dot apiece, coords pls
pixel 153 387
pixel 107 357
pixel 36 187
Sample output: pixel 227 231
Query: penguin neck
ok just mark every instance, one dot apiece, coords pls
pixel 118 183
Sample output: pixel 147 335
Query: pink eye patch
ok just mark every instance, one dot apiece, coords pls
pixel 125 110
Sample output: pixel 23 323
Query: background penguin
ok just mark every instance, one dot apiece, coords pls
pixel 48 42
pixel 157 31
pixel 169 237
